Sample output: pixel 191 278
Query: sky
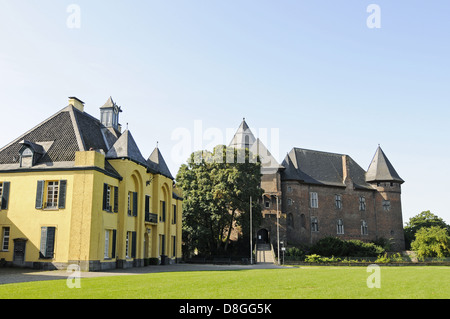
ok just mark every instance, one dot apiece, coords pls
pixel 308 74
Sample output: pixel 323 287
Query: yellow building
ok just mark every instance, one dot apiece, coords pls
pixel 77 190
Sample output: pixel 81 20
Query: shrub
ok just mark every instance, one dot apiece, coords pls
pixel 332 246
pixel 432 242
pixel 319 259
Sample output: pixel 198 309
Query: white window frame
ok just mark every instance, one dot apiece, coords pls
pixel 314 224
pixel 52 195
pixel 364 228
pixel 107 244
pixel 338 201
pixel 362 203
pixel 5 238
pixel 127 245
pixel 314 199
pixel 340 227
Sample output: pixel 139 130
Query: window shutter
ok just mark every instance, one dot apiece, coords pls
pixel 113 250
pixel 133 244
pixel 105 193
pixel 50 242
pixel 40 194
pixel 5 195
pixel 147 204
pixel 163 211
pixel 43 247
pixel 135 204
pixel 116 199
pixel 62 194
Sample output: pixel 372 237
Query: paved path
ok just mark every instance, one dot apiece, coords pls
pixel 14 275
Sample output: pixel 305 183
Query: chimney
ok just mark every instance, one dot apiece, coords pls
pixel 346 178
pixel 76 103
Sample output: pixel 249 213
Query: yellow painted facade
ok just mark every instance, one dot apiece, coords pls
pixel 82 220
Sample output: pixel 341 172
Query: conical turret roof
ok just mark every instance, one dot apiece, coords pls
pixel 381 169
pixel 243 138
pixel 157 163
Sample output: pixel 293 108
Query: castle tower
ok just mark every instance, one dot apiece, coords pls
pixel 388 208
pixel 109 114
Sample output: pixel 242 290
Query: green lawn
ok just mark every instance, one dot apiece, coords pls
pixel 299 283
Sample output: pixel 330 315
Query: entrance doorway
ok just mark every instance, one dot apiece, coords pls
pixel 262 236
pixel 19 251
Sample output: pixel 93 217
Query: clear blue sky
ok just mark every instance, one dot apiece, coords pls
pixel 312 69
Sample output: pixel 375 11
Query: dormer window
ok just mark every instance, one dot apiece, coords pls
pixel 26 157
pixel 30 153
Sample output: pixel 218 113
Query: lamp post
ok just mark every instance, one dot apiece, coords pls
pixel 278 231
pixel 251 234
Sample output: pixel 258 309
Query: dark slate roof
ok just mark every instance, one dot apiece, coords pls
pixel 126 147
pixel 58 129
pixel 70 130
pixel 322 168
pixel 381 170
pixel 156 163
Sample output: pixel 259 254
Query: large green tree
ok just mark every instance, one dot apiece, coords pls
pixel 432 242
pixel 217 187
pixel 423 220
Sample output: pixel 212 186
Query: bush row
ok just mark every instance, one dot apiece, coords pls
pixel 332 246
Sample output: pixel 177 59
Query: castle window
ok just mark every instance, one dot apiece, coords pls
pixel 364 229
pixel 362 203
pixel 54 193
pixel 314 224
pixel 289 189
pixel 386 205
pixel 110 243
pixel 289 202
pixel 267 203
pixel 47 246
pixel 4 195
pixel 108 196
pixel 132 204
pixel 338 201
pixel 314 200
pixel 5 239
pixel 340 227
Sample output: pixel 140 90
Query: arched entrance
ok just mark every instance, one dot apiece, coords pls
pixel 262 236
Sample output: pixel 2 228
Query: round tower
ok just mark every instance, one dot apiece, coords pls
pixel 388 206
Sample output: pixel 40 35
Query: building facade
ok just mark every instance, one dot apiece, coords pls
pixel 76 190
pixel 315 194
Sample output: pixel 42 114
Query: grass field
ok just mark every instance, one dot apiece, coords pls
pixel 290 283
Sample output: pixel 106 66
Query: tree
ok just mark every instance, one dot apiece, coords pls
pixel 424 219
pixel 432 242
pixel 216 193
